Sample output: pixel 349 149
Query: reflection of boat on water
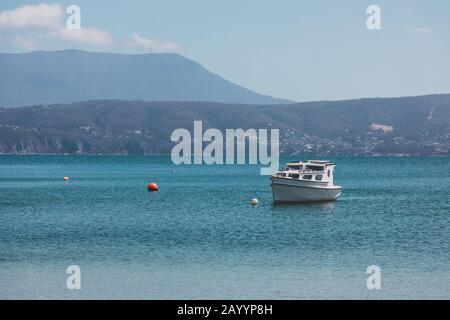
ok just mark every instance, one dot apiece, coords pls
pixel 305 181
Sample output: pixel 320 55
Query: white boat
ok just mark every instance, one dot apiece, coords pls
pixel 305 181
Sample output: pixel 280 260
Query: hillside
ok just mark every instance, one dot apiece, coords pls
pixel 400 126
pixel 68 76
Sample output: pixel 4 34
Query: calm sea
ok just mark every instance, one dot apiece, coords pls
pixel 200 238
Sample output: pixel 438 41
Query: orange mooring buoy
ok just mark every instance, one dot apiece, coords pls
pixel 152 187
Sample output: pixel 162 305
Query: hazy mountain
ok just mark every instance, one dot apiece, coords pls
pixel 407 126
pixel 66 76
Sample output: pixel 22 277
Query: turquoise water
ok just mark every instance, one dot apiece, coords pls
pixel 200 238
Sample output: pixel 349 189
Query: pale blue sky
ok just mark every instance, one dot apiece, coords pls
pixel 299 50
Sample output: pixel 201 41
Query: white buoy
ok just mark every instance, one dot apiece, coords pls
pixel 66 178
pixel 254 202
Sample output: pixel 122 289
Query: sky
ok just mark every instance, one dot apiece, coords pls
pixel 292 49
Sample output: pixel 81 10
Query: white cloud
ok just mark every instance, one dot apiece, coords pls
pixel 90 36
pixel 32 16
pixel 418 29
pixel 43 26
pixel 153 45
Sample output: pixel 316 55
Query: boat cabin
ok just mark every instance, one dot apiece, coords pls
pixel 319 171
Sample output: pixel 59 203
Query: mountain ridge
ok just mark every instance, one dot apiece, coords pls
pixel 68 76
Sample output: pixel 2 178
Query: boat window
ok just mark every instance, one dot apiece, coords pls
pixel 295 167
pixel 307 177
pixel 283 174
pixel 328 173
pixel 294 175
pixel 314 168
pixel 319 177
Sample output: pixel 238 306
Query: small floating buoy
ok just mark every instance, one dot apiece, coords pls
pixel 66 178
pixel 254 202
pixel 152 187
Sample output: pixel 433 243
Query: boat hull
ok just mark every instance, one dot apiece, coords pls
pixel 293 191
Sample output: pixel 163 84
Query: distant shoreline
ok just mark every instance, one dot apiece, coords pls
pixel 282 155
pixel 414 126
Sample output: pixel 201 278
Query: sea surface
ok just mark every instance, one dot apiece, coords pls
pixel 199 237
